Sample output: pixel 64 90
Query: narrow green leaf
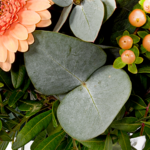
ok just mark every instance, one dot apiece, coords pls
pixel 4 136
pixel 108 143
pixel 62 145
pixel 132 68
pixel 142 34
pixel 31 106
pixel 135 38
pixel 126 124
pixel 124 140
pixel 116 147
pixel 54 110
pixel 138 60
pixel 15 96
pixel 118 63
pixel 95 144
pixel 32 128
pixel 52 142
pixel 63 17
pixel 14 111
pixel 69 145
pixel 38 139
pixel 139 113
pixel 1 125
pixel 17 75
pixel 27 84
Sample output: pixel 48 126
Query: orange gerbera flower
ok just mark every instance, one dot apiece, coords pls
pixel 18 19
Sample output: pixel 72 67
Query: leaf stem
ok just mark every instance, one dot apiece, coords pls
pixel 135 32
pixel 74 144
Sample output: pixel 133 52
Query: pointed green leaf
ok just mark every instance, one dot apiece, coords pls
pixel 110 6
pixel 136 51
pixel 62 145
pixel 135 38
pixel 1 85
pixel 4 136
pixel 147 54
pixel 143 50
pixel 139 113
pixel 63 17
pixel 132 68
pixel 126 124
pixel 118 63
pixel 142 34
pixel 86 19
pixel 17 75
pixel 1 125
pixel 124 140
pixel 54 109
pixel 66 58
pixel 32 128
pixel 63 3
pixel 108 143
pixel 138 60
pixel 15 96
pixel 52 142
pixel 121 51
pixel 95 144
pixel 85 107
pixel 144 69
pixel 69 145
pixel 38 139
pixel 147 24
pixel 116 147
pixel 126 33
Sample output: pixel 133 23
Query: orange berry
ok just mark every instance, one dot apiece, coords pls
pixel 125 42
pixel 146 42
pixel 137 17
pixel 146 6
pixel 128 57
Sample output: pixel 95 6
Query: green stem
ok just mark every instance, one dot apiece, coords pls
pixel 74 144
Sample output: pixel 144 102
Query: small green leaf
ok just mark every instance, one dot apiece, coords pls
pixel 54 110
pixel 17 75
pixel 15 96
pixel 132 68
pixel 143 50
pixel 138 60
pixel 139 113
pixel 121 51
pixel 32 128
pixel 62 145
pixel 95 144
pixel 124 140
pixel 137 6
pixel 0 125
pixel 108 143
pixel 147 24
pixel 144 69
pixel 135 38
pixel 52 142
pixel 69 145
pixel 126 33
pixel 147 55
pixel 141 2
pixel 142 34
pixel 118 38
pixel 4 136
pixel 1 85
pixel 136 51
pixel 118 63
pixel 38 139
pixel 126 124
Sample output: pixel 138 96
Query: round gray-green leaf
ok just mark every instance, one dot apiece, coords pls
pixel 86 19
pixel 63 3
pixel 57 63
pixel 110 6
pixel 88 110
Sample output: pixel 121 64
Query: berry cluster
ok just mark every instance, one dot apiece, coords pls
pixel 132 45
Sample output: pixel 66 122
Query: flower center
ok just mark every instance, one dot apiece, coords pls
pixel 9 13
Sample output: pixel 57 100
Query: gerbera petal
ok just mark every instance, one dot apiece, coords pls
pixel 3 52
pixel 45 14
pixel 5 66
pixel 18 31
pixel 23 46
pixel 44 23
pixel 30 28
pixel 37 5
pixel 10 57
pixel 28 17
pixel 30 39
pixel 10 42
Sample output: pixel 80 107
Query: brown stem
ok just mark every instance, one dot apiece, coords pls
pixel 143 125
pixel 135 32
pixel 74 144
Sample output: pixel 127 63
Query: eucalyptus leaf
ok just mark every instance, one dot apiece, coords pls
pixel 63 3
pixel 63 18
pixel 62 63
pixel 32 128
pixel 86 19
pixel 82 113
